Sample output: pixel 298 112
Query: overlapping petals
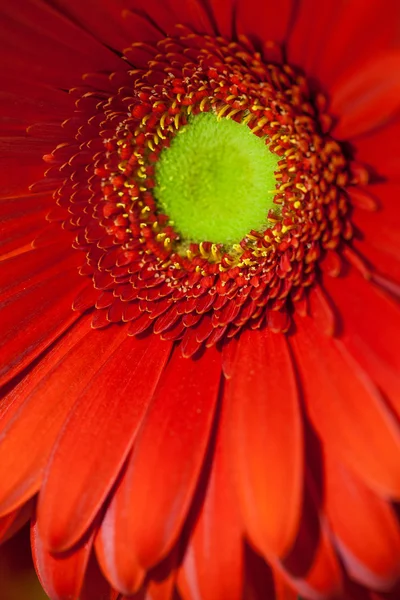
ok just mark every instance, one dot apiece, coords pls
pixel 266 466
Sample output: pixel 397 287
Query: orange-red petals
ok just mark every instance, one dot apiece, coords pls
pixel 41 44
pixel 357 95
pixel 32 319
pixel 213 566
pixel 106 418
pixel 266 440
pixel 370 331
pixel 321 44
pixel 39 405
pixel 22 271
pixel 118 563
pixel 61 576
pixel 346 408
pixel 366 528
pixel 167 457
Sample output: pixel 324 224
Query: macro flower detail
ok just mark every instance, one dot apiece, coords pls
pixel 199 297
pixel 150 274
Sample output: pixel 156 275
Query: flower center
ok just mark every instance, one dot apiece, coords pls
pixel 216 180
pixel 211 193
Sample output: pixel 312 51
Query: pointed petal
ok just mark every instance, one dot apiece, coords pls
pixel 120 566
pixel 324 32
pixel 346 409
pixel 371 322
pixel 62 576
pixel 213 564
pixel 39 406
pixel 96 439
pixel 267 440
pixel 34 318
pixel 367 97
pixel 41 44
pixel 373 558
pixel 167 458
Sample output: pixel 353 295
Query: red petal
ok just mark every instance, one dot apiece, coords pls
pixel 367 97
pixel 119 565
pixel 167 14
pixel 39 406
pixel 62 576
pixel 28 104
pixel 164 468
pixel 34 318
pixel 321 311
pixel 223 11
pixel 97 438
pixel 324 32
pixel 380 228
pixel 213 563
pixel 19 232
pixel 267 440
pixel 228 357
pixel 32 267
pixel 266 21
pixel 372 558
pixel 140 28
pixel 363 197
pixel 371 322
pixel 346 409
pixel 381 150
pixel 41 44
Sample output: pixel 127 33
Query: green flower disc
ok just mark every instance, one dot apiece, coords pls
pixel 216 180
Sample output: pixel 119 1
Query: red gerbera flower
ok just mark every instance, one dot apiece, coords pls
pixel 198 353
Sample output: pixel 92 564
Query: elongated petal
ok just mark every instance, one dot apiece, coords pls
pixel 39 406
pixel 346 409
pixel 267 442
pixel 97 438
pixel 32 31
pixel 61 576
pixel 155 495
pixel 372 558
pixel 372 321
pixel 323 33
pixel 118 564
pixel 368 97
pixel 213 564
pixel 34 318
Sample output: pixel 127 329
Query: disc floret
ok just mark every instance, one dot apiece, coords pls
pixel 154 273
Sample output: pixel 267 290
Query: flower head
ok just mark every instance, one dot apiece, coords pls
pixel 201 389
